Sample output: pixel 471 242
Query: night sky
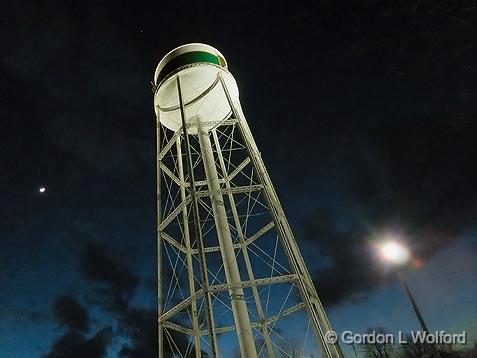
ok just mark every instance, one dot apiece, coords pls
pixel 364 112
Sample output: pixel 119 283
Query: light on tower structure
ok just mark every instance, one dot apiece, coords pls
pixel 231 279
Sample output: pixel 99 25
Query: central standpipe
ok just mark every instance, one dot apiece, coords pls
pixel 237 299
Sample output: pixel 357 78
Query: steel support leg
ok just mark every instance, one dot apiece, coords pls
pixel 305 284
pixel 251 276
pixel 160 336
pixel 239 307
pixel 190 265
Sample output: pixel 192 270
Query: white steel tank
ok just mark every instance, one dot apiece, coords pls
pixel 198 66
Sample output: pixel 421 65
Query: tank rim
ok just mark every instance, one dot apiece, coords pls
pixel 182 50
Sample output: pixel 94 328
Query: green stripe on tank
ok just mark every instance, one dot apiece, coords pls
pixel 187 59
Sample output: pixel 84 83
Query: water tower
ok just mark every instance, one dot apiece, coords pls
pixel 231 279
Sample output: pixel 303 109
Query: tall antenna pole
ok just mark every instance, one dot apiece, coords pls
pixel 416 309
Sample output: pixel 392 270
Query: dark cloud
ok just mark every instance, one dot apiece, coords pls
pixel 141 326
pixel 351 271
pixel 70 313
pixel 405 161
pixel 418 175
pixel 75 345
pixel 117 282
pixel 416 181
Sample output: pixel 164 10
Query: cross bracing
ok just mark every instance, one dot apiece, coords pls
pixel 197 303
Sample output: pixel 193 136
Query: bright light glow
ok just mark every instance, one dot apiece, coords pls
pixel 394 252
pixel 42 189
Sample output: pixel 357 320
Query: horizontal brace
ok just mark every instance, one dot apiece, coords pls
pixel 250 240
pixel 176 327
pixel 228 329
pixel 172 141
pixel 213 249
pixel 178 132
pixel 256 283
pixel 224 287
pixel 202 182
pixel 222 180
pixel 268 321
pixel 234 190
pixel 215 124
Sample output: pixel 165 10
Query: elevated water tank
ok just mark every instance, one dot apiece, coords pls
pixel 198 66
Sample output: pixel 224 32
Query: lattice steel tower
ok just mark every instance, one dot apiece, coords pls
pixel 231 279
